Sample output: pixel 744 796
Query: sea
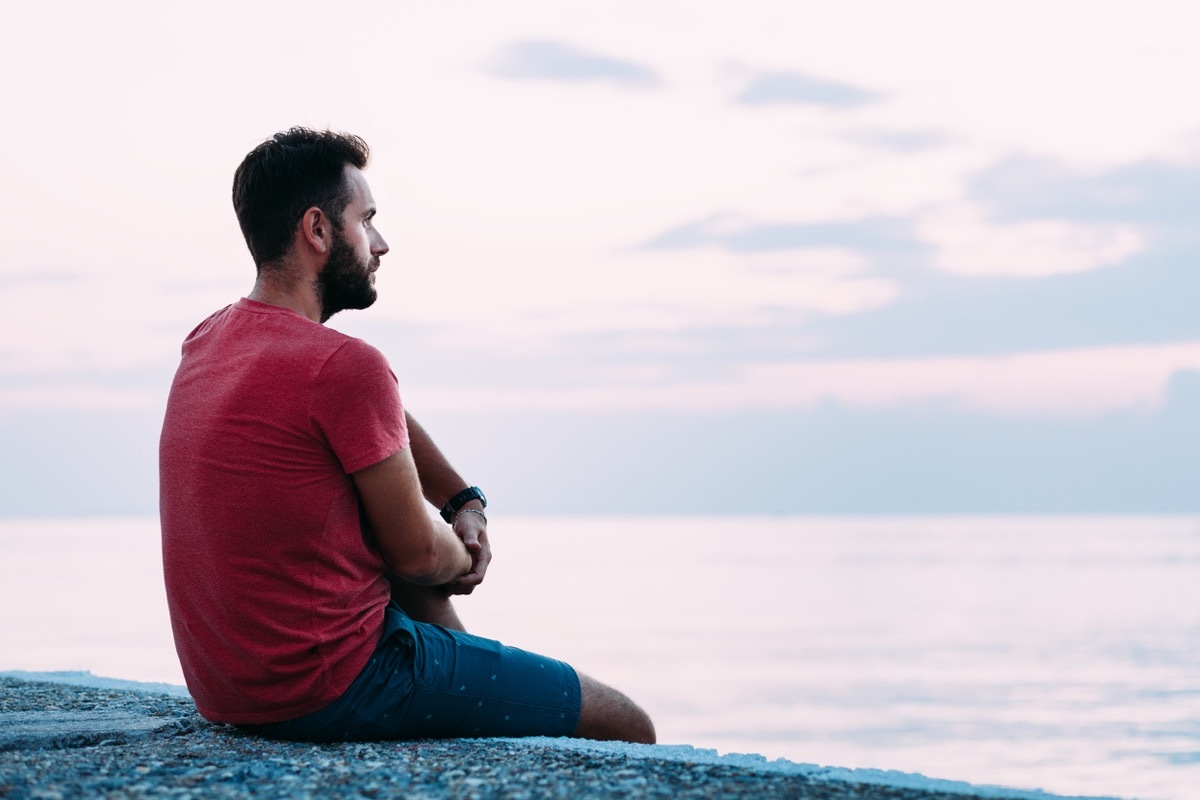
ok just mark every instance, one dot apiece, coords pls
pixel 1059 653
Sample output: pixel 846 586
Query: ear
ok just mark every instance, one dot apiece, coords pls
pixel 317 230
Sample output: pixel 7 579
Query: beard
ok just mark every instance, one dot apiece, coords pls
pixel 345 281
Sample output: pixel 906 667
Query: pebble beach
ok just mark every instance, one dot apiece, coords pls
pixel 66 741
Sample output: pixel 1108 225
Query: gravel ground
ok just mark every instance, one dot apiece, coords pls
pixel 150 745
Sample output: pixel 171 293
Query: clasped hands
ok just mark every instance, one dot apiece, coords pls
pixel 471 529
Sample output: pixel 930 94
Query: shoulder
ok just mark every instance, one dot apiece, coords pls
pixel 349 350
pixel 212 321
pixel 353 360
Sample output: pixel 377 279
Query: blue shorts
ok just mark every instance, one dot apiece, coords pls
pixel 424 682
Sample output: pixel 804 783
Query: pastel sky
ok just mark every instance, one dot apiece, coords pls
pixel 645 256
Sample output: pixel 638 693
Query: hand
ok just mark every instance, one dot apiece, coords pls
pixel 472 530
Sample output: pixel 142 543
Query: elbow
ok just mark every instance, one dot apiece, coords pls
pixel 419 565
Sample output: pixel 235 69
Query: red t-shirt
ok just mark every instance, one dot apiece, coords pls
pixel 276 598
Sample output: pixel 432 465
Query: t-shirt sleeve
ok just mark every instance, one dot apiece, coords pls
pixel 356 406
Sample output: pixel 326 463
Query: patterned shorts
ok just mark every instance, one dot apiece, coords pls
pixel 424 681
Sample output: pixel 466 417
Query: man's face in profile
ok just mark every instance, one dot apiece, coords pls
pixel 347 281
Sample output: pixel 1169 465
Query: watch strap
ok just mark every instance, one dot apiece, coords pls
pixel 461 499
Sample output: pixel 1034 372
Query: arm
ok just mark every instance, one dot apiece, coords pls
pixel 440 482
pixel 415 546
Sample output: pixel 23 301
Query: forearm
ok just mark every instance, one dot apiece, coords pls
pixel 418 547
pixel 443 559
pixel 443 487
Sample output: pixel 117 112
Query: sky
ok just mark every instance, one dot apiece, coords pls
pixel 646 257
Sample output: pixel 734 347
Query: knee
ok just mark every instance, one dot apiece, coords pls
pixel 608 714
pixel 641 727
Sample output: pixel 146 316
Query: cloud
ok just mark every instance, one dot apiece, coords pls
pixel 98 322
pixel 737 235
pixel 1137 221
pixel 1060 384
pixel 900 141
pixel 968 245
pixel 827 459
pixel 1149 299
pixel 137 388
pixel 38 278
pixel 920 458
pixel 1150 191
pixel 83 462
pixel 1031 217
pixel 1182 396
pixel 557 61
pixel 80 396
pixel 795 88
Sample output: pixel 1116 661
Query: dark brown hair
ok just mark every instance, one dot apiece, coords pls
pixel 285 176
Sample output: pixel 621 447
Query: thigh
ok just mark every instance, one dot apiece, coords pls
pixel 466 686
pixel 424 681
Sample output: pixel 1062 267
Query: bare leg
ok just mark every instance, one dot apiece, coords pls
pixel 608 714
pixel 425 604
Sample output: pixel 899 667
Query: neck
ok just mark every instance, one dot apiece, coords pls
pixel 274 288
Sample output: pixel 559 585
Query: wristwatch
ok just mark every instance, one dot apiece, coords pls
pixel 461 499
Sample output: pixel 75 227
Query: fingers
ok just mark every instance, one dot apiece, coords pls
pixel 474 538
pixel 471 535
pixel 464 584
pixel 482 560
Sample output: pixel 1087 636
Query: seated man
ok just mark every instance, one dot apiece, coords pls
pixel 309 588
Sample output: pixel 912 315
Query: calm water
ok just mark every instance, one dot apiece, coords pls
pixel 1060 653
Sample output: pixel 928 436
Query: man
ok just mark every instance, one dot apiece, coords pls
pixel 309 587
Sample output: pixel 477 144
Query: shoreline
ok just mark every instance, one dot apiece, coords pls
pixel 62 739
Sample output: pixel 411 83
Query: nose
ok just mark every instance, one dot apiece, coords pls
pixel 378 246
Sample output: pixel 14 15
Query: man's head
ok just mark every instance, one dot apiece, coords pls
pixel 286 175
pixel 286 188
